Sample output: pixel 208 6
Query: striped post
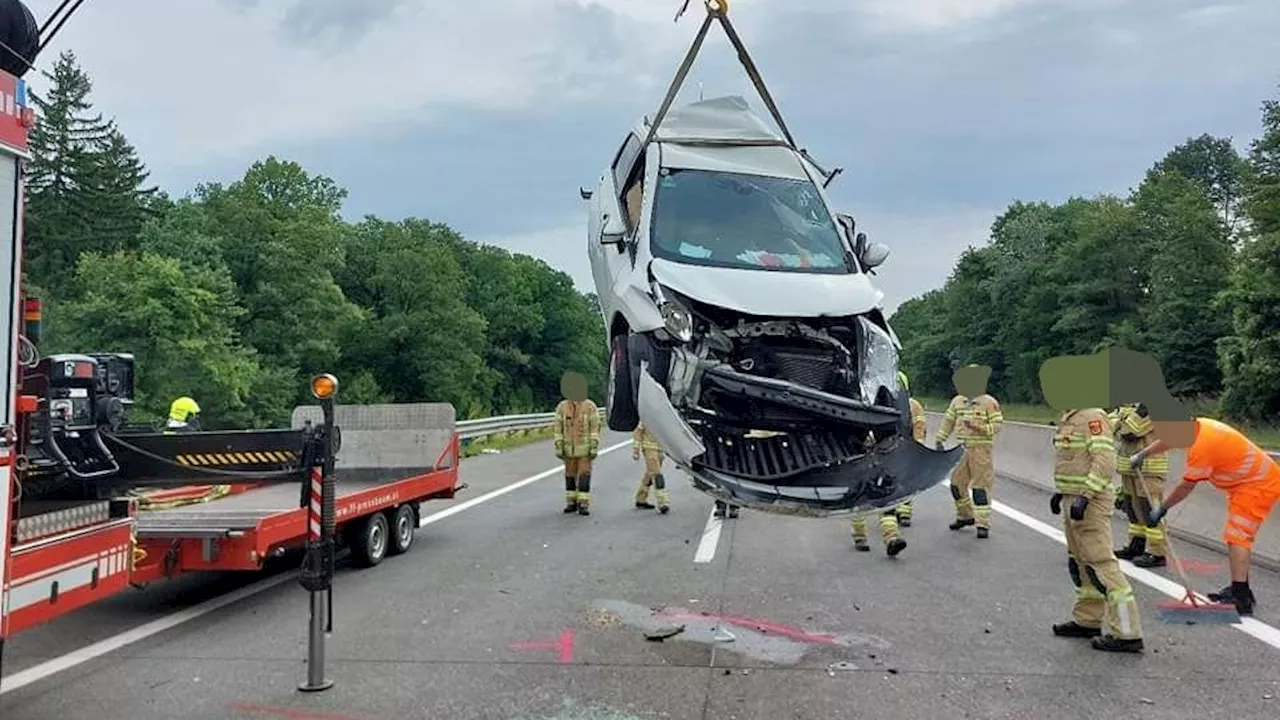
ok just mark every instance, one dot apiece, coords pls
pixel 315 505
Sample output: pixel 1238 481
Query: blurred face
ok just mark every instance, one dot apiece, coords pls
pixel 1177 433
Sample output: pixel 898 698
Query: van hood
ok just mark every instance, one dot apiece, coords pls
pixel 767 292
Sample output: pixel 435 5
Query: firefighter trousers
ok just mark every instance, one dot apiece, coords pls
pixel 971 484
pixel 888 526
pixel 653 478
pixel 1138 508
pixel 1103 597
pixel 577 481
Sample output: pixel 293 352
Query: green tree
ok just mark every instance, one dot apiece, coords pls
pixel 180 327
pixel 85 187
pixel 1250 356
pixel 1213 164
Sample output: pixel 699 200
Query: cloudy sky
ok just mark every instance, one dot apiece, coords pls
pixel 488 115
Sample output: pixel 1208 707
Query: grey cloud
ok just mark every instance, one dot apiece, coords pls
pixel 933 128
pixel 332 22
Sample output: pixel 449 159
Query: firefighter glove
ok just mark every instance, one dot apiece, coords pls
pixel 1078 506
pixel 1157 514
pixel 560 450
pixel 937 444
pixel 1135 460
pixel 1055 504
pixel 1122 499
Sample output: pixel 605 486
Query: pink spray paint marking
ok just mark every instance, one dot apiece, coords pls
pixel 563 646
pixel 768 626
pixel 1200 568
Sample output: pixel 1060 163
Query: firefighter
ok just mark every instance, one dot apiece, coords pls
pixel 979 419
pixel 577 441
pixel 892 519
pixel 1084 461
pixel 1231 462
pixel 1133 431
pixel 184 416
pixel 644 443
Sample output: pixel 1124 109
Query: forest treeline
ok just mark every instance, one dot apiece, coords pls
pixel 238 293
pixel 1186 267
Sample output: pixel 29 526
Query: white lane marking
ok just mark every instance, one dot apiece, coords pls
pixel 1256 628
pixel 710 538
pixel 505 489
pixel 56 665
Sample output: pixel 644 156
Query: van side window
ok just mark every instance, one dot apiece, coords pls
pixel 628 171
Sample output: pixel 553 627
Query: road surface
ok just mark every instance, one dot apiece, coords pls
pixel 506 609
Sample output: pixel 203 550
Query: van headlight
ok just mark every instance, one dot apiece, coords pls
pixel 878 361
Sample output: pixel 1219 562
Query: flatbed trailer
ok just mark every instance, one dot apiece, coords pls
pixel 376 512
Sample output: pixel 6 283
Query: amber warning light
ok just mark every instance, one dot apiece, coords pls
pixel 324 386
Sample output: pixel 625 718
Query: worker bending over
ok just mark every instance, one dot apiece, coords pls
pixel 577 441
pixel 891 519
pixel 184 416
pixel 1133 430
pixel 1229 461
pixel 644 443
pixel 977 418
pixel 1084 461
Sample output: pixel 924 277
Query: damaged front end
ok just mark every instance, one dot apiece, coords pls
pixel 799 416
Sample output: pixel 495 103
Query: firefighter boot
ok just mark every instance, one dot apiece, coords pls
pixel 570 495
pixel 893 542
pixel 642 495
pixel 1115 644
pixel 1137 546
pixel 860 534
pixel 1073 629
pixel 964 509
pixel 904 514
pixel 660 490
pixel 584 494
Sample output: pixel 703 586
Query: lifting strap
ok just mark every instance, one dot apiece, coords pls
pixel 718 10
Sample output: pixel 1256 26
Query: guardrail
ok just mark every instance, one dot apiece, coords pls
pixel 503 424
pixel 1024 454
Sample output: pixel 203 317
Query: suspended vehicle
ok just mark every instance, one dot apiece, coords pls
pixel 744 329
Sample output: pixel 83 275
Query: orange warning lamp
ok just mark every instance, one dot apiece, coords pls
pixel 324 387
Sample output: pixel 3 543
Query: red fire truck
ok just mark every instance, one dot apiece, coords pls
pixel 90 505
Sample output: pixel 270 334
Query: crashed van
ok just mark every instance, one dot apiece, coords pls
pixel 743 327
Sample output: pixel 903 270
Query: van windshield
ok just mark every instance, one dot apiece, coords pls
pixel 721 219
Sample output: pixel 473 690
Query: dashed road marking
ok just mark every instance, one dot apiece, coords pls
pixel 710 538
pixel 56 665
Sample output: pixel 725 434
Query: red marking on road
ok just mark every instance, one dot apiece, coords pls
pixel 563 646
pixel 768 626
pixel 290 713
pixel 1200 568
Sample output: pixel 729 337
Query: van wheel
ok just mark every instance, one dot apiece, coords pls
pixel 403 521
pixel 370 541
pixel 620 405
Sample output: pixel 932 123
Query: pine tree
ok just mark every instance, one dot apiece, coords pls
pixel 85 185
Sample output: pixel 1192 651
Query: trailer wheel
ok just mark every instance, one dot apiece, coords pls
pixel 370 540
pixel 404 521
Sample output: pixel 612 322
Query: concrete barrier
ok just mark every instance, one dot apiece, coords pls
pixel 1024 454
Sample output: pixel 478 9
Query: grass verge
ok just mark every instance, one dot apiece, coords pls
pixel 1265 436
pixel 507 441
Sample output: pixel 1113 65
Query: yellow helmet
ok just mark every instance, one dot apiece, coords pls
pixel 902 378
pixel 183 408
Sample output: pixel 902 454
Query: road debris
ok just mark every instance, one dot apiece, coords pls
pixel 663 633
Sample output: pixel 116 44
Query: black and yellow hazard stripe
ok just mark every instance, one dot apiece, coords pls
pixel 262 457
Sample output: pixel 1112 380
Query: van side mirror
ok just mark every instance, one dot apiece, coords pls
pixel 610 233
pixel 873 254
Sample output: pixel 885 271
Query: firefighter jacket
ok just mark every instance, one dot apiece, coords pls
pixel 577 429
pixel 917 420
pixel 1084 453
pixel 1133 432
pixel 643 440
pixel 976 421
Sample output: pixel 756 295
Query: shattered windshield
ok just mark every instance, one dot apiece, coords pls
pixel 721 219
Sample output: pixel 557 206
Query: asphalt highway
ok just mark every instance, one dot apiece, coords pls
pixel 506 609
